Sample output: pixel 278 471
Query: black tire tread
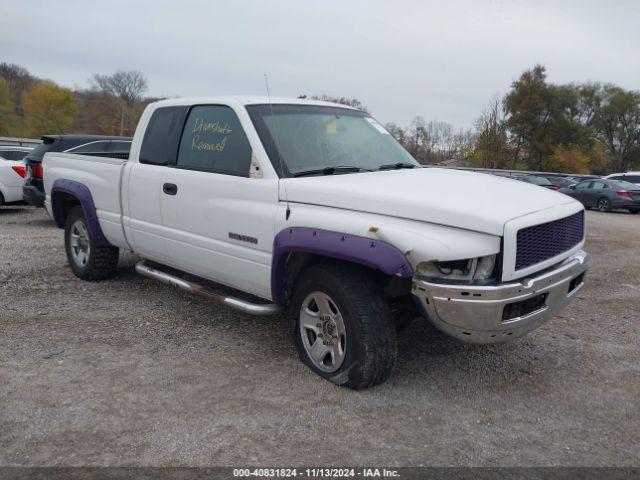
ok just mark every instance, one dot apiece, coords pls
pixel 373 316
pixel 103 259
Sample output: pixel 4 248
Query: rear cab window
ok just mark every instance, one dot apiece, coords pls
pixel 162 135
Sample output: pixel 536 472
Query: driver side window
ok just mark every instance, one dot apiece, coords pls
pixel 213 140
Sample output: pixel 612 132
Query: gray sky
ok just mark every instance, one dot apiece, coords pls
pixel 442 60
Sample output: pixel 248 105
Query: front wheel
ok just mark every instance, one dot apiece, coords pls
pixel 634 211
pixel 87 260
pixel 344 328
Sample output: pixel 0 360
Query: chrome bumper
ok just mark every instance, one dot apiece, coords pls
pixel 474 314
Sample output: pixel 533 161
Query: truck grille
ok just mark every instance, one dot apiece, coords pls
pixel 541 242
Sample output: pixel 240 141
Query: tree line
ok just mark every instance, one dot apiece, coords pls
pixel 537 125
pixel 30 106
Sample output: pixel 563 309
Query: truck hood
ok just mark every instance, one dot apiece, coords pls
pixel 457 198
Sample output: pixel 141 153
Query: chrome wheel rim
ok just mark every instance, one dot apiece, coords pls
pixel 602 205
pixel 79 241
pixel 322 332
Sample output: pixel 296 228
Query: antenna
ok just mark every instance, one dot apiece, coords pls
pixel 277 140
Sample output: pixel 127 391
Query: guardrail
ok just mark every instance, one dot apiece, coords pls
pixel 19 142
pixel 511 173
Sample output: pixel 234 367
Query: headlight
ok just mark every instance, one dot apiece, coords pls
pixel 466 270
pixel 484 268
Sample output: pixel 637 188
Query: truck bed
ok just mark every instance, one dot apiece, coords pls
pixel 101 175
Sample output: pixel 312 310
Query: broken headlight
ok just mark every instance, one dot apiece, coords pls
pixel 467 270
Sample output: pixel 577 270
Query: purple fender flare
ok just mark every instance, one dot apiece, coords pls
pixel 365 251
pixel 82 193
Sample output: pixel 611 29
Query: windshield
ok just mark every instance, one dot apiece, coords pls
pixel 308 137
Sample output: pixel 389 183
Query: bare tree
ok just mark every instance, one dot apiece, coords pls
pixel 491 145
pixel 126 85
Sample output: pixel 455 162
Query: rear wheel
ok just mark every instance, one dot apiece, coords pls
pixel 1 199
pixel 634 211
pixel 344 329
pixel 604 204
pixel 87 260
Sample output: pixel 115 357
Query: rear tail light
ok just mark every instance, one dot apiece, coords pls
pixel 36 170
pixel 624 193
pixel 555 187
pixel 20 170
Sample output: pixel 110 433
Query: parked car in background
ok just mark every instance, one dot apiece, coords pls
pixel 631 177
pixel 540 181
pixel 12 173
pixel 559 181
pixel 579 178
pixel 606 195
pixel 96 145
pixel 8 152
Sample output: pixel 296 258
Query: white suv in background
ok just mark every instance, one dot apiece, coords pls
pixel 632 177
pixel 12 173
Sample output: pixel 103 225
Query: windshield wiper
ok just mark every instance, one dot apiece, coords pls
pixel 330 171
pixel 397 166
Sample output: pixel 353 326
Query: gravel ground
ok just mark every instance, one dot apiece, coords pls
pixel 132 372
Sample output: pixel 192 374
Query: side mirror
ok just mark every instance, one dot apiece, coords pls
pixel 254 167
pixel 572 187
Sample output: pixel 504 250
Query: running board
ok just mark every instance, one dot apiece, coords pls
pixel 251 308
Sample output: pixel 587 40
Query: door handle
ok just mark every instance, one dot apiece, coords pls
pixel 170 188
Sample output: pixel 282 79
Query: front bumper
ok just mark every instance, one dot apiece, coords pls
pixel 491 314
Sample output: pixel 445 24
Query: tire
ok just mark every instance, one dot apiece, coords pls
pixel 1 199
pixel 364 346
pixel 98 262
pixel 604 204
pixel 634 211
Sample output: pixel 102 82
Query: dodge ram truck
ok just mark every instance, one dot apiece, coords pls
pixel 312 208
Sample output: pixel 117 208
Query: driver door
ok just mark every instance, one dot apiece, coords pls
pixel 218 222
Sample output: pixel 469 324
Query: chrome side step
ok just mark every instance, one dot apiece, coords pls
pixel 251 308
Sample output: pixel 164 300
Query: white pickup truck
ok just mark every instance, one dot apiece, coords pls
pixel 313 208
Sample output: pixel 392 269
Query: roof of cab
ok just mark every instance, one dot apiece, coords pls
pixel 248 100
